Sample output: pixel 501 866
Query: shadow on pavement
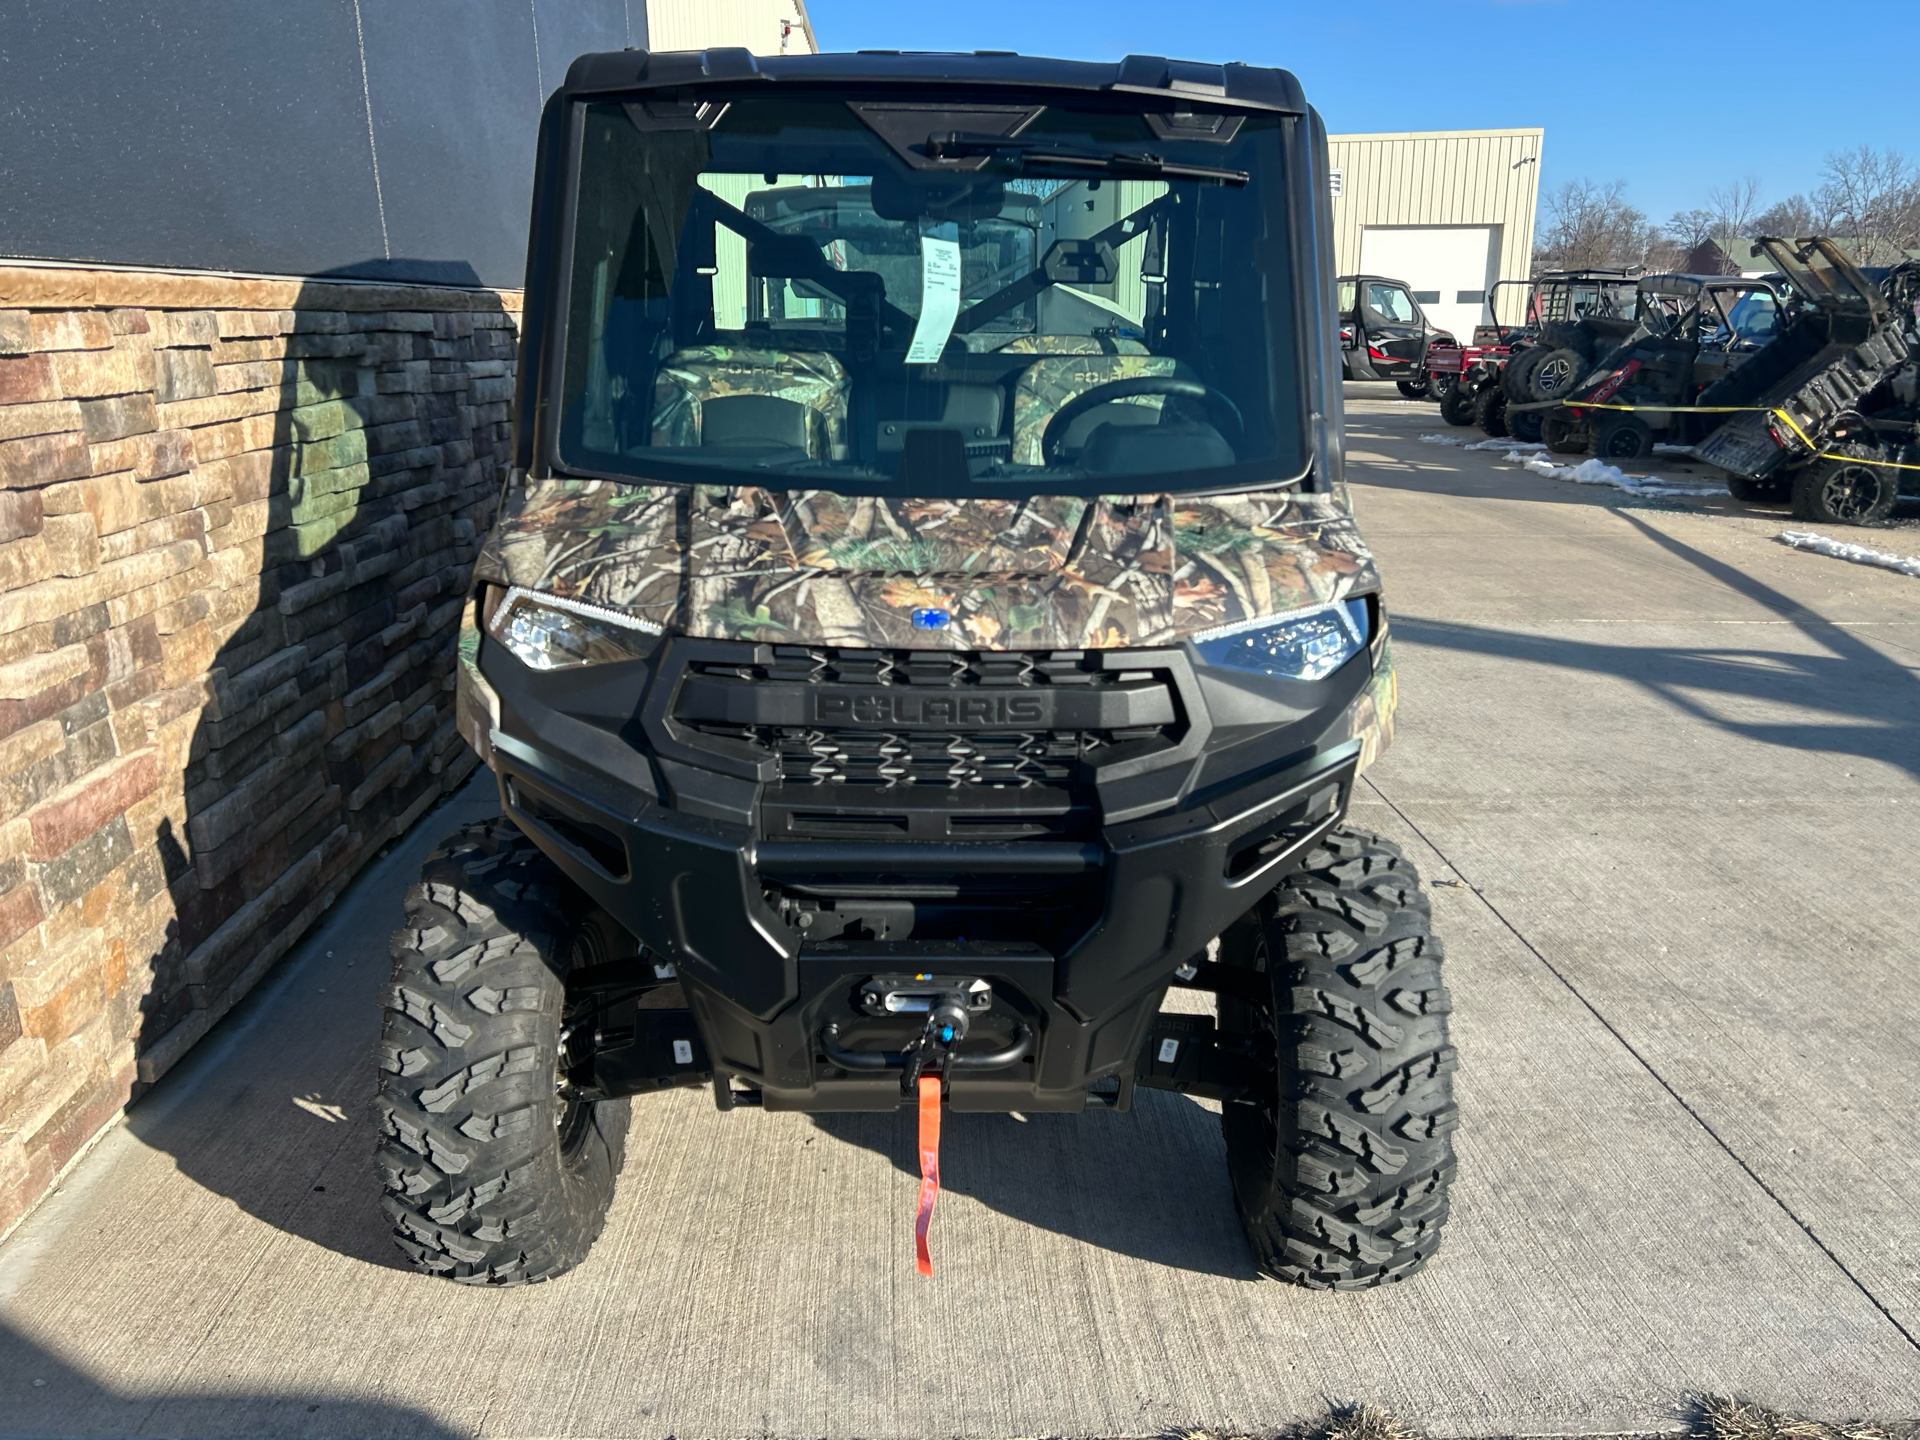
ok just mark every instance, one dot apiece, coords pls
pixel 1874 700
pixel 1151 1184
pixel 42 1396
pixel 1875 704
pixel 274 1108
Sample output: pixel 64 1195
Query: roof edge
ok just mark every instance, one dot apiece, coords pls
pixel 1537 132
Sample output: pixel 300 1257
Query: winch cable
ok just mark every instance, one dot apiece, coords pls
pixel 929 1171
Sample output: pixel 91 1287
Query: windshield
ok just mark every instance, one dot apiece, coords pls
pixel 1754 315
pixel 901 299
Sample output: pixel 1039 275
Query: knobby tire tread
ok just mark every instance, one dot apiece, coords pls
pixel 1341 1173
pixel 479 1186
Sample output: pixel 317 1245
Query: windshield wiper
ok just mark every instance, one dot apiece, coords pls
pixel 1031 154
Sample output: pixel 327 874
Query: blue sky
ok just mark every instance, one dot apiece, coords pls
pixel 1673 98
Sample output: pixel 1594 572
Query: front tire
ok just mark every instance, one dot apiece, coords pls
pixel 494 1175
pixel 1456 406
pixel 1623 437
pixel 1564 436
pixel 1342 1161
pixel 1413 389
pixel 1490 411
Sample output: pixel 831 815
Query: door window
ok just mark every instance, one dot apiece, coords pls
pixel 1391 302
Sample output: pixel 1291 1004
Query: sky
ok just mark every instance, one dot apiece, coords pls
pixel 1702 95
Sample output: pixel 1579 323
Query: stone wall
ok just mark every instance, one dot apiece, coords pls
pixel 237 518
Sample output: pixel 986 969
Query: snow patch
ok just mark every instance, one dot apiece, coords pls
pixel 1857 554
pixel 1531 457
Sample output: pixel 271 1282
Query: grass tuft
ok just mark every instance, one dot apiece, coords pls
pixel 1724 1418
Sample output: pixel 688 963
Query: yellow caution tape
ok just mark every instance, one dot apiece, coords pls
pixel 1749 410
pixel 1691 409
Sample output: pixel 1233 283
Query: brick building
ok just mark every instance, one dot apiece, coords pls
pixel 250 436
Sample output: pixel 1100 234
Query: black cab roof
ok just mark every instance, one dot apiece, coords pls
pixel 1242 87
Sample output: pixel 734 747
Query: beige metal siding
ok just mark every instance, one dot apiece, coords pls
pixel 1442 177
pixel 766 27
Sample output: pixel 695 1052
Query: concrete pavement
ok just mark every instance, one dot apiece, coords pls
pixel 1672 770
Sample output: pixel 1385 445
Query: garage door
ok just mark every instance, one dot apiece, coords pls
pixel 1450 268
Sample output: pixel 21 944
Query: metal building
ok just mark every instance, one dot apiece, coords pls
pixel 376 139
pixel 1448 211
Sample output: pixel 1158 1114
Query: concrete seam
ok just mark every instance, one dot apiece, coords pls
pixel 1647 1065
pixel 373 149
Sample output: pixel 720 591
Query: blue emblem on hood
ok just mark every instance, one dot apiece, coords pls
pixel 931 619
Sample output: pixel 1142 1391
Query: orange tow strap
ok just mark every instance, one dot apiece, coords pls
pixel 929 1170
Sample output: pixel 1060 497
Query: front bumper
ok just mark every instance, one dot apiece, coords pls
pixel 1078 926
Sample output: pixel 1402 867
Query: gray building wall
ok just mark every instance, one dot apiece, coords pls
pixel 381 138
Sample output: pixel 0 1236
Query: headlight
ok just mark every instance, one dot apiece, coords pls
pixel 1305 645
pixel 545 632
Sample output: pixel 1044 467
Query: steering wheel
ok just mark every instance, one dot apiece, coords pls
pixel 1221 406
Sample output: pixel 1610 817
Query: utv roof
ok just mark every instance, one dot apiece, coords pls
pixel 1236 87
pixel 1681 284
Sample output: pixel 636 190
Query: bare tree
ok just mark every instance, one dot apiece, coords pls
pixel 1593 227
pixel 1691 229
pixel 1730 211
pixel 1872 196
pixel 1793 218
pixel 1734 206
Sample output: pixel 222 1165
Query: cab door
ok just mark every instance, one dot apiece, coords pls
pixel 1395 332
pixel 1347 302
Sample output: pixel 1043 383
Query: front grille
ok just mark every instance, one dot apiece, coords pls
pixel 887 759
pixel 882 756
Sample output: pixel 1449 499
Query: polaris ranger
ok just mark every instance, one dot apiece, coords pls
pixel 925 623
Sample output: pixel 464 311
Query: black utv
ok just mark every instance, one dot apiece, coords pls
pixel 1659 384
pixel 1826 416
pixel 925 624
pixel 1384 334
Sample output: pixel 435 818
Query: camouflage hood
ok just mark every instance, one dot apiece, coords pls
pixel 1040 573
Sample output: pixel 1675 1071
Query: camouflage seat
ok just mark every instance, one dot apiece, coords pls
pixel 1069 366
pixel 720 394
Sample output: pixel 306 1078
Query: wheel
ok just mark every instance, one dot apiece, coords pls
pixel 1524 425
pixel 1441 386
pixel 1513 378
pixel 1413 389
pixel 1623 437
pixel 1759 492
pixel 1456 406
pixel 1341 1161
pixel 1845 491
pixel 1554 372
pixel 494 1174
pixel 1490 411
pixel 1563 435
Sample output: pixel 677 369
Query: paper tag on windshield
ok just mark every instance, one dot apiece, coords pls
pixel 939 299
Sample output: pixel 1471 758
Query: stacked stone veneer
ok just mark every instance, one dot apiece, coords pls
pixel 237 518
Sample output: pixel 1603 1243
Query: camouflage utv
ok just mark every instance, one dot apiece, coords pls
pixel 925 625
